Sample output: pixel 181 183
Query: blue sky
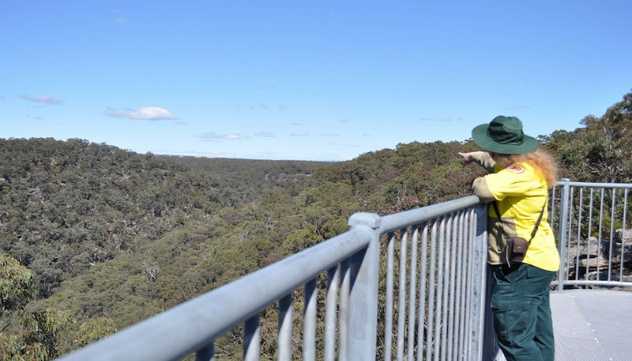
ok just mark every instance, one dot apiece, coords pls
pixel 326 80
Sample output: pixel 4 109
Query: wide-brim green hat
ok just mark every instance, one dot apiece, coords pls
pixel 504 135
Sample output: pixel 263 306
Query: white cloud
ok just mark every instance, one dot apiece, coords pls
pixel 42 99
pixel 300 134
pixel 217 137
pixel 144 113
pixel 122 20
pixel 266 134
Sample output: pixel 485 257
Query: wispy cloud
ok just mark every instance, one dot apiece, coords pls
pixel 218 137
pixel 262 106
pixel 42 99
pixel 266 134
pixel 329 135
pixel 144 113
pixel 350 145
pixel 300 134
pixel 445 118
pixel 122 21
pixel 296 123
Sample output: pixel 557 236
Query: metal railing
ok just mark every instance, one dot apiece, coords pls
pixel 434 256
pixel 594 236
pixel 411 285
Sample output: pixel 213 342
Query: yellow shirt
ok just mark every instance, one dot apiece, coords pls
pixel 520 193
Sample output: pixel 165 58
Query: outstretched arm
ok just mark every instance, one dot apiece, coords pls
pixel 481 158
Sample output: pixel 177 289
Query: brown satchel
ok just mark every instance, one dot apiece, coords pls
pixel 516 247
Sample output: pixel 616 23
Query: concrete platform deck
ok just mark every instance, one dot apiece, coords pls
pixel 591 325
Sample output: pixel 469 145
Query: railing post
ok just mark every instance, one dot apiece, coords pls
pixel 480 285
pixel 363 294
pixel 561 237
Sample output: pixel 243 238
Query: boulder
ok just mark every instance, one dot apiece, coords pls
pixel 621 235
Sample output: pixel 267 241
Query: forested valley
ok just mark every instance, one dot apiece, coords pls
pixel 94 238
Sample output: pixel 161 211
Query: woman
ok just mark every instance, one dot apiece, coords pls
pixel 519 180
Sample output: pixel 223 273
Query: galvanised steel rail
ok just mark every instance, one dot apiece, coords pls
pixel 592 222
pixel 441 298
pixel 446 297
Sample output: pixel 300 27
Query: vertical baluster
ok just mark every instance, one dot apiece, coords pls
pixel 330 313
pixel 285 328
pixel 401 312
pixel 625 212
pixel 571 211
pixel 600 233
pixel 469 288
pixel 252 339
pixel 446 283
pixel 309 322
pixel 611 247
pixel 590 219
pixel 439 307
pixel 461 296
pixel 579 231
pixel 422 293
pixel 478 237
pixel 388 320
pixel 561 241
pixel 431 294
pixel 458 225
pixel 343 341
pixel 552 206
pixel 412 302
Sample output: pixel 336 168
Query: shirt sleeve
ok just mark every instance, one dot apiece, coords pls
pixel 480 189
pixel 485 160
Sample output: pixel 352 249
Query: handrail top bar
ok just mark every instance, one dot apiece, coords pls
pixel 195 323
pixel 595 185
pixel 404 219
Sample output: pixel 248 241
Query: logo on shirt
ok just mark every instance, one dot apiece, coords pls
pixel 516 168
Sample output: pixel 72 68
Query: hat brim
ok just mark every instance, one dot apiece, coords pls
pixel 480 136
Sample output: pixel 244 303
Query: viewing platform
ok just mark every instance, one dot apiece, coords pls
pixel 408 286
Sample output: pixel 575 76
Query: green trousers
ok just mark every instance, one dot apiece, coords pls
pixel 522 315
